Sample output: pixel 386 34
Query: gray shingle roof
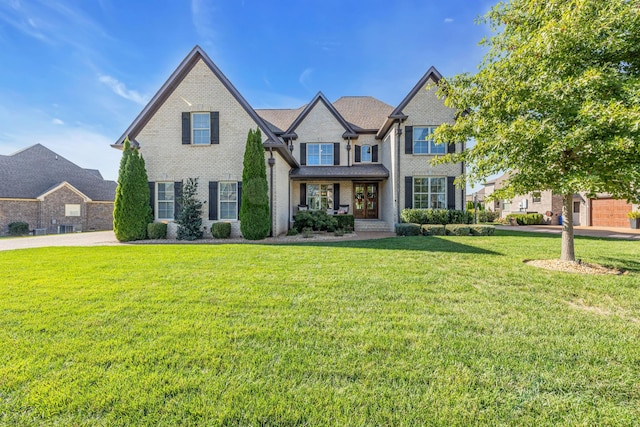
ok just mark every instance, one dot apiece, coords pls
pixel 281 119
pixel 365 112
pixel 29 173
pixel 369 171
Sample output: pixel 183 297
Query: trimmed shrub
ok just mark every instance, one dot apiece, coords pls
pixel 292 232
pixel 316 221
pixel 407 229
pixel 526 219
pixel 157 230
pixel 482 230
pixel 435 216
pixel 457 230
pixel 484 216
pixel 221 230
pixel 433 230
pixel 345 222
pixel 307 232
pixel 18 228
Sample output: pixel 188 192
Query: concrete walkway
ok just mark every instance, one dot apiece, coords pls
pixel 608 232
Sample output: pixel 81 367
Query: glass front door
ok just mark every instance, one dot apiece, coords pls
pixel 365 204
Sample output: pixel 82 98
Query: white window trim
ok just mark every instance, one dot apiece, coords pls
pixel 220 201
pixel 70 209
pixel 429 192
pixel 193 128
pixel 320 144
pixel 428 153
pixel 158 201
pixel 320 184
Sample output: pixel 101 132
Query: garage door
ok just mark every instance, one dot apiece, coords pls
pixel 609 213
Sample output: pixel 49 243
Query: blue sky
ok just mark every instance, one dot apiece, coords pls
pixel 75 74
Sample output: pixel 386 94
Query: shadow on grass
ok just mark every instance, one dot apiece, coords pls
pixel 549 235
pixel 415 243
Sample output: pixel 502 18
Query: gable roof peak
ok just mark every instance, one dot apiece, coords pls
pixel 349 132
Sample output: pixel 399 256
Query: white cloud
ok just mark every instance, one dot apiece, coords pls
pixel 57 121
pixel 305 78
pixel 120 89
pixel 448 20
pixel 202 12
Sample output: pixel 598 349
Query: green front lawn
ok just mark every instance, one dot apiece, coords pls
pixel 401 331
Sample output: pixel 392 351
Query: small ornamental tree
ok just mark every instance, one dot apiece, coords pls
pixel 189 218
pixel 255 220
pixel 131 211
pixel 556 102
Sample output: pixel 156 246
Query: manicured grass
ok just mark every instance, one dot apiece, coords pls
pixel 400 331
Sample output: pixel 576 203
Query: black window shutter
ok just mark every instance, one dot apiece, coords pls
pixel 374 153
pixel 239 197
pixel 177 193
pixel 451 148
pixel 408 140
pixel 336 196
pixel 408 192
pixel 215 127
pixel 303 194
pixel 336 154
pixel 303 153
pixel 213 200
pixel 358 158
pixel 186 128
pixel 152 198
pixel 451 193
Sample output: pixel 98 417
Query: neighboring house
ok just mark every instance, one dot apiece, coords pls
pixel 602 211
pixel 357 153
pixel 53 195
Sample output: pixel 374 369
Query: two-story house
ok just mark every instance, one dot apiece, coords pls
pixel 357 154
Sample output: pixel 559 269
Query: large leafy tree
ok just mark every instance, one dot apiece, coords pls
pixel 255 220
pixel 556 101
pixel 131 211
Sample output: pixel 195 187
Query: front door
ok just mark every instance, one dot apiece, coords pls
pixel 365 203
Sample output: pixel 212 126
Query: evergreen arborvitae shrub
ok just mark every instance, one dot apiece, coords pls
pixel 189 218
pixel 255 218
pixel 131 211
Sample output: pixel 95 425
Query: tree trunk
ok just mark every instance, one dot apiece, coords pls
pixel 567 253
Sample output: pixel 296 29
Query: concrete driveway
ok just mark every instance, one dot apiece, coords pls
pixel 94 238
pixel 608 232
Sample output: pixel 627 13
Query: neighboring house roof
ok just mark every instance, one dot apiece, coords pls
pixel 32 172
pixel 363 112
pixel 187 64
pixel 397 113
pixel 371 171
pixel 349 132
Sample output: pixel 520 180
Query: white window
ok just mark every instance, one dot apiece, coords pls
pixel 228 203
pixel 320 196
pixel 166 200
pixel 320 154
pixel 423 142
pixel 365 154
pixel 430 193
pixel 71 210
pixel 201 128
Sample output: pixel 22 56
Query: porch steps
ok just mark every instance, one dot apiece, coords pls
pixel 365 225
